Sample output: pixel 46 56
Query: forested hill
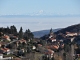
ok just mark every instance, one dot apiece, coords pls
pixel 72 28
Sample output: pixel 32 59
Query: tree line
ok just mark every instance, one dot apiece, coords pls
pixel 20 34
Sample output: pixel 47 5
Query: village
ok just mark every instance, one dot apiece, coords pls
pixel 52 47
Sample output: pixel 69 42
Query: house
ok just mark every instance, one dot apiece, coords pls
pixel 6 58
pixel 1 33
pixel 52 39
pixel 49 53
pixel 39 45
pixel 61 40
pixel 17 58
pixel 21 41
pixel 6 37
pixel 71 34
pixel 54 47
pixel 1 56
pixel 34 47
pixel 5 51
pixel 2 44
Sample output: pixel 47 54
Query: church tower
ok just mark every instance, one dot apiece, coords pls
pixel 51 33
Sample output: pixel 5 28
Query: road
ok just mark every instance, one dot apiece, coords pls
pixel 11 42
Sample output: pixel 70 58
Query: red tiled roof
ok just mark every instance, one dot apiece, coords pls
pixel 53 47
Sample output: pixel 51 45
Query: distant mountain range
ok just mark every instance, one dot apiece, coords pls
pixel 24 16
pixel 41 33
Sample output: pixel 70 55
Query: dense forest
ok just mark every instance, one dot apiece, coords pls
pixel 13 30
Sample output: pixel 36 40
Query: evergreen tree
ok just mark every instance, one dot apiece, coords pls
pixel 21 33
pixel 29 31
pixel 26 35
pixel 8 30
pixel 13 30
pixel 30 34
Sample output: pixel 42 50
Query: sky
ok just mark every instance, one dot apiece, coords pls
pixel 59 13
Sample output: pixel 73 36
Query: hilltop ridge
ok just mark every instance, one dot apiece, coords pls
pixel 72 28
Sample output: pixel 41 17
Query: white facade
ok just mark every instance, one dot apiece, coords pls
pixel 1 56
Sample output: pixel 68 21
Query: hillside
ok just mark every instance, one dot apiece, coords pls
pixel 72 28
pixel 41 33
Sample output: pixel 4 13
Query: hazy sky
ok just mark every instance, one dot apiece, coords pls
pixel 40 7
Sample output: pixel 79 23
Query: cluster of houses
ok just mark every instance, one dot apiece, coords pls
pixel 54 44
pixel 7 40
